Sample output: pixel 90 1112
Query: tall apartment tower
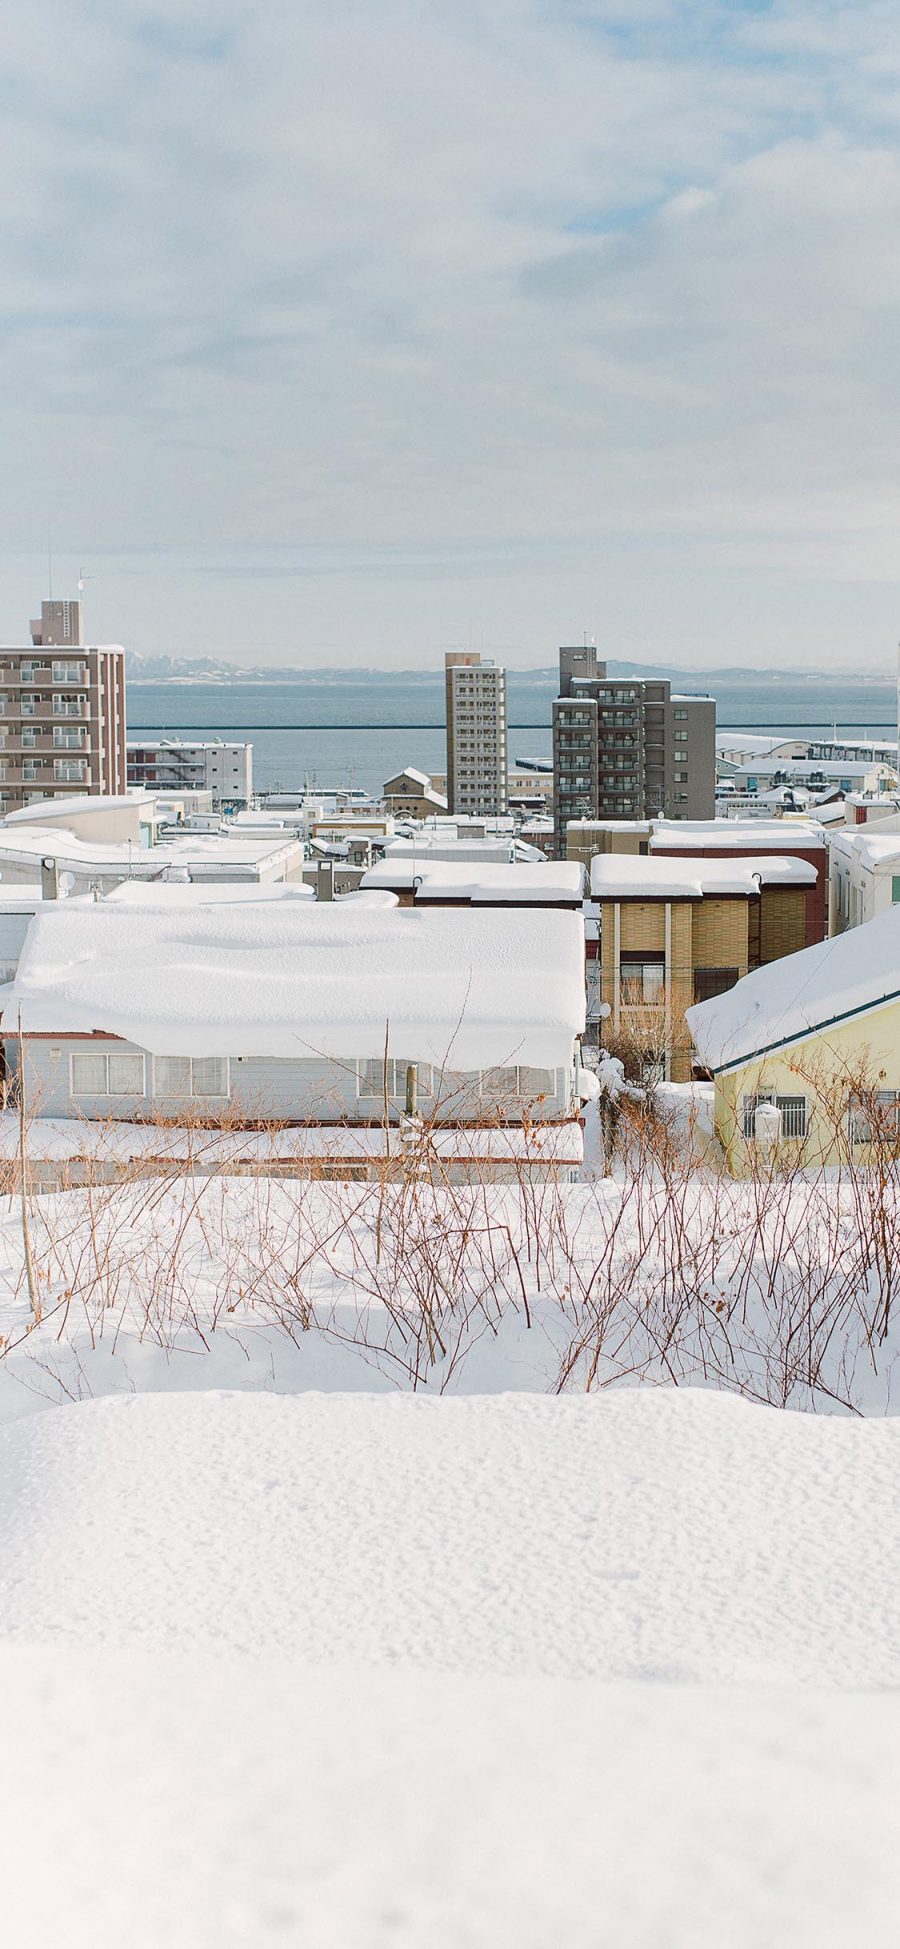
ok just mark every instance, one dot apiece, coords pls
pixel 62 713
pixel 476 735
pixel 627 748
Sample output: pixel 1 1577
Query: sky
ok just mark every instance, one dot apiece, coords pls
pixel 350 333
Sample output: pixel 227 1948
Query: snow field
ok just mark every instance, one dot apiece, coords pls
pixel 216 1803
pixel 641 1534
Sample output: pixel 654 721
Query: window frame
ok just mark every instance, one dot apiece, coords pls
pixel 190 1095
pixel 104 1056
pixel 750 1104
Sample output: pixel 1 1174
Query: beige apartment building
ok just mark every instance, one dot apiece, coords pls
pixel 678 931
pixel 62 713
pixel 476 734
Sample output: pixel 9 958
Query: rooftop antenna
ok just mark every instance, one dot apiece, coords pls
pixel 49 565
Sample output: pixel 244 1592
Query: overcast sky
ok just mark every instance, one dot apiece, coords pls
pixel 353 332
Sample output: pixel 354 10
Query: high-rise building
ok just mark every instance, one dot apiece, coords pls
pixel 627 747
pixel 476 734
pixel 62 713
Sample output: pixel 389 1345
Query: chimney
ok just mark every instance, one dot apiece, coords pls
pixel 325 880
pixel 49 877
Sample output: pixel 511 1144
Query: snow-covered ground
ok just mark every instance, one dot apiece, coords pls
pixel 506 1672
pixel 325 1619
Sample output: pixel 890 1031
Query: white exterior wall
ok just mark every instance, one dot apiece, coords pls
pixel 262 1088
pixel 859 889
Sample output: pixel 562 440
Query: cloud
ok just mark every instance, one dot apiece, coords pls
pixel 552 275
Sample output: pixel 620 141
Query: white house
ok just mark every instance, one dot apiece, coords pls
pixel 290 1012
pixel 864 873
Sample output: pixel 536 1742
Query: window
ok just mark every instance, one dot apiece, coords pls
pixel 681 778
pixel 895 887
pixel 713 981
pixel 65 740
pixel 71 770
pixel 68 673
pixel 98 1072
pixel 681 737
pixel 370 1080
pixel 185 1076
pixel 29 705
pixel 64 706
pixel 793 1113
pixel 519 1080
pixel 680 715
pixel 641 979
pixel 877 1117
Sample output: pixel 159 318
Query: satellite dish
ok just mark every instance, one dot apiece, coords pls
pixel 67 883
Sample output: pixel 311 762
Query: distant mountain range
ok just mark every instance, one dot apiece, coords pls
pixel 211 670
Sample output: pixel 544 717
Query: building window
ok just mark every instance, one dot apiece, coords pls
pixel 183 1076
pixel 681 778
pixel 793 1113
pixel 98 1072
pixel 641 979
pixel 877 1117
pixel 68 673
pixel 681 737
pixel 70 770
pixel 713 981
pixel 895 887
pixel 680 714
pixel 371 1078
pixel 519 1080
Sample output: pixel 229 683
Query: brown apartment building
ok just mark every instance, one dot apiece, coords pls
pixel 675 931
pixel 62 713
pixel 628 748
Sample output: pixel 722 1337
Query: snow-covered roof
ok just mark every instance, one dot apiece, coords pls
pixel 622 876
pixel 76 805
pixel 410 771
pixel 491 881
pixel 463 990
pixel 753 741
pixel 849 974
pixel 761 834
pixel 19 899
pixel 818 767
pixel 204 893
pixel 114 855
pixel 429 845
pixel 872 847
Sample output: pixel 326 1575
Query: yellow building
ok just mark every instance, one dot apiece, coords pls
pixel 817 1038
pixel 677 931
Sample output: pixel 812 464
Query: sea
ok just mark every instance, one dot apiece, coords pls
pixel 334 730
